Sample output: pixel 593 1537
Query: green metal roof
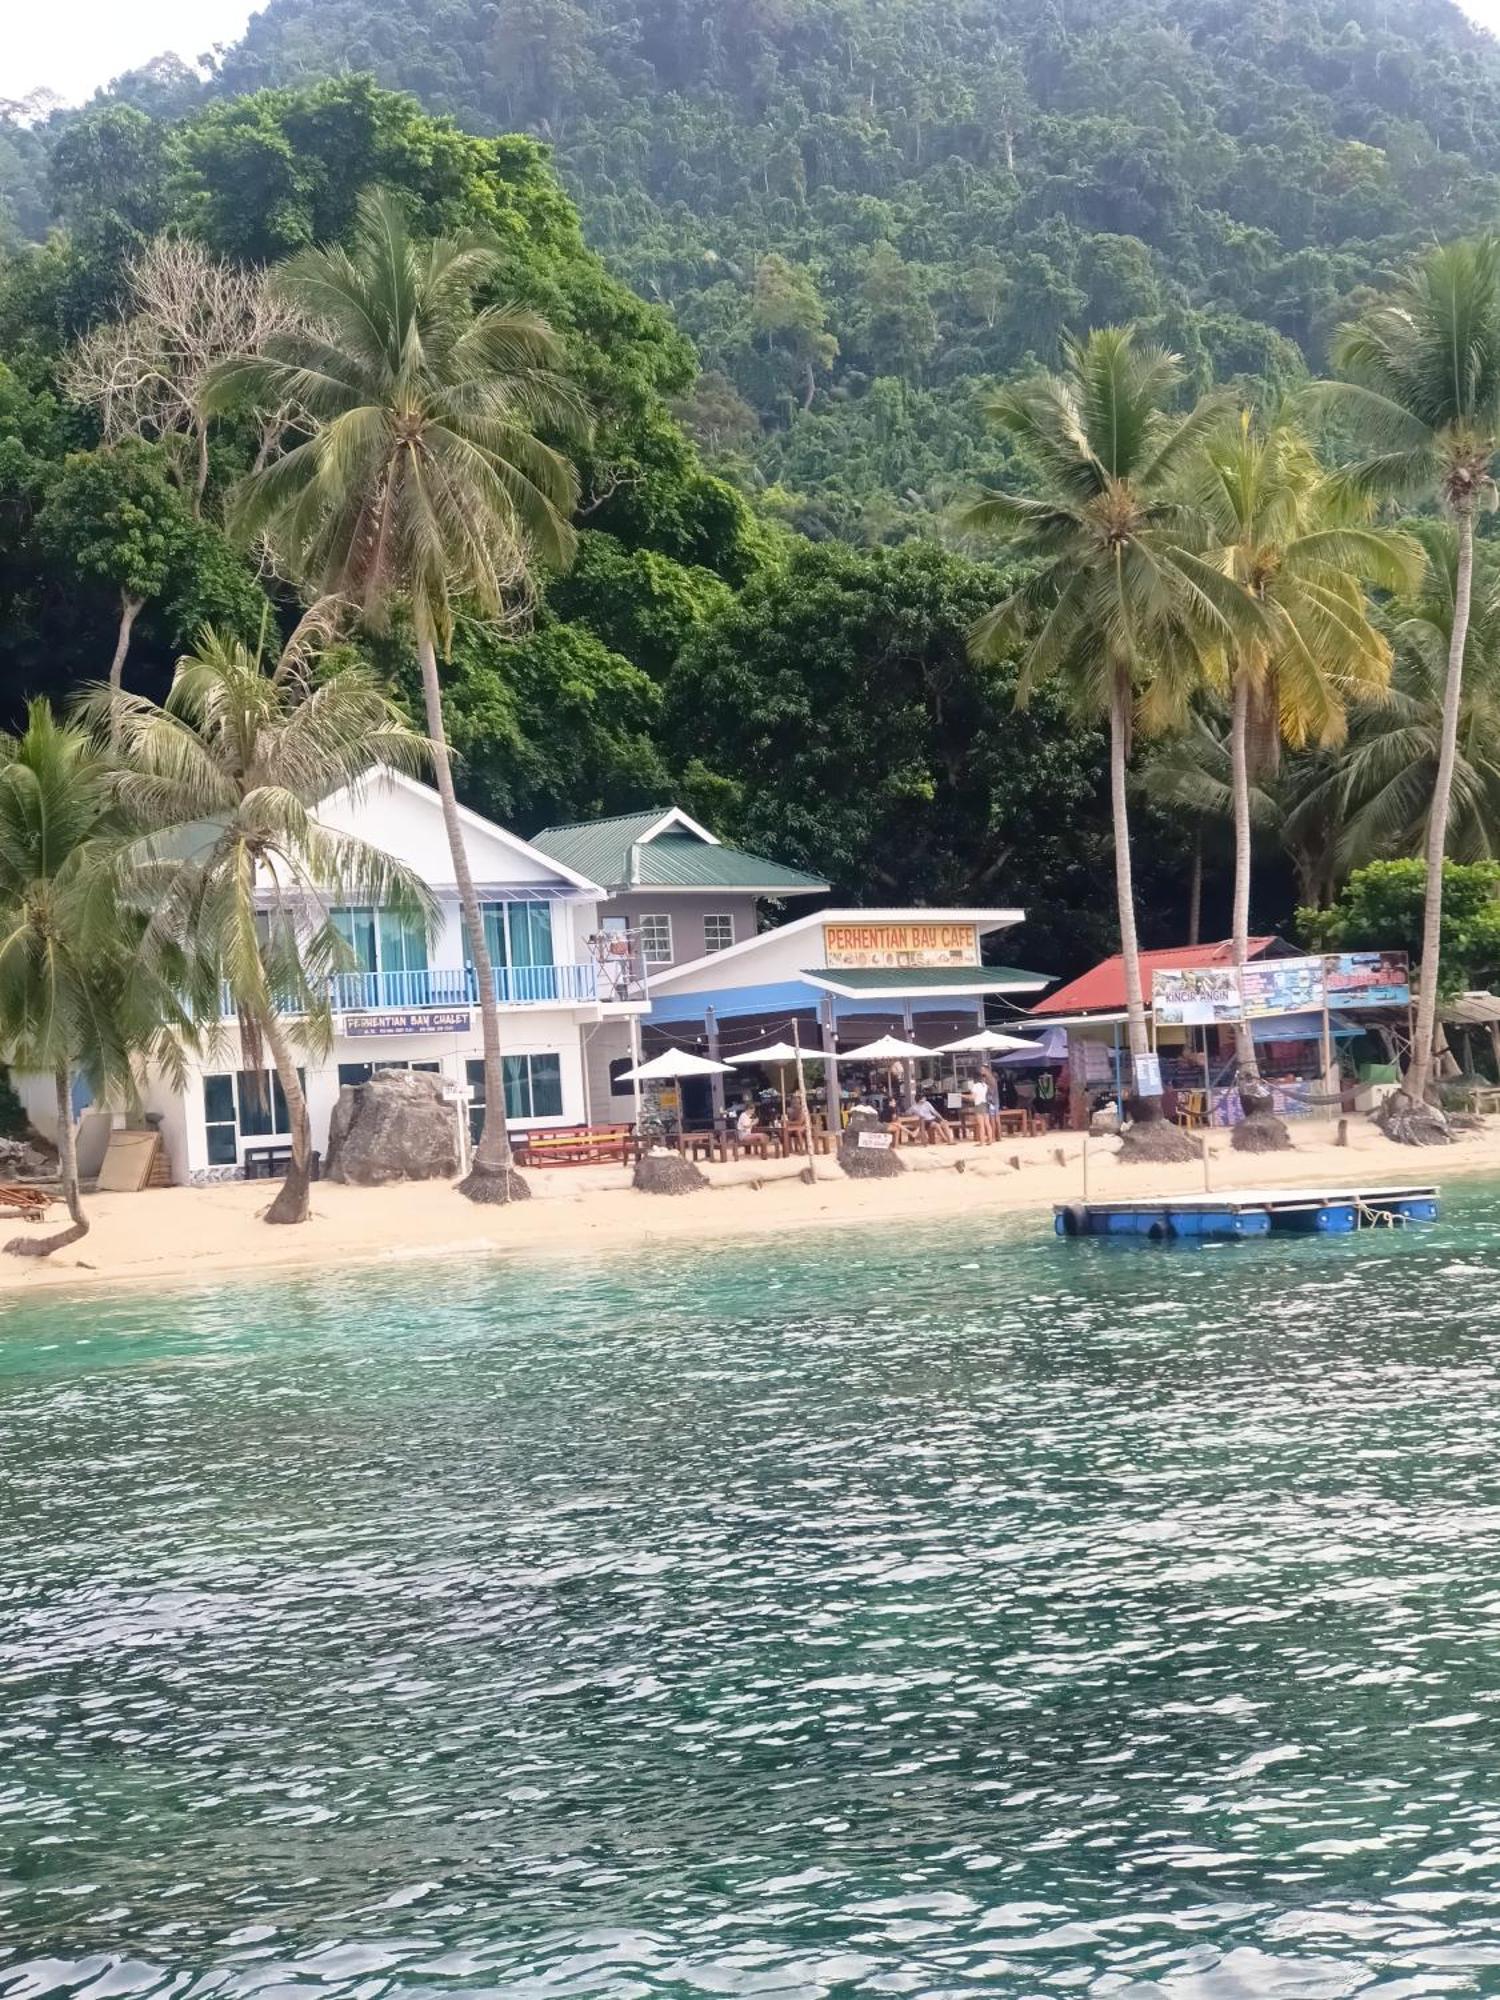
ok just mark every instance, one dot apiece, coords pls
pixel 927 978
pixel 616 854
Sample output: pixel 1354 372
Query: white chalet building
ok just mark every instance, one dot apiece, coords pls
pixel 412 1002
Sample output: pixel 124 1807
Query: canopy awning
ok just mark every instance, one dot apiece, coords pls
pixel 1301 1027
pixel 1471 1010
pixel 907 982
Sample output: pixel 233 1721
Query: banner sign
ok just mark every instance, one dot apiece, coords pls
pixel 853 945
pixel 411 1021
pixel 1283 986
pixel 1147 1076
pixel 1194 996
pixel 873 1142
pixel 1369 979
pixel 1197 996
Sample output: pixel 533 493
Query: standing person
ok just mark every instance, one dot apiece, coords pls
pixel 979 1097
pixel 1046 1095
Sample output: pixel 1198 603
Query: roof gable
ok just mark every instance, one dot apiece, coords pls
pixel 1103 985
pixel 404 818
pixel 667 849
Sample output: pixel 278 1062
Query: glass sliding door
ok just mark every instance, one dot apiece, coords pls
pixel 532 974
pixel 361 986
pixel 403 962
pixel 519 936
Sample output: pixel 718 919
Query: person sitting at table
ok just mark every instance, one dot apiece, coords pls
pixel 934 1124
pixel 796 1127
pixel 744 1124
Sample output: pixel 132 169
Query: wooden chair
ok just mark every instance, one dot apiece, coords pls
pixel 1192 1109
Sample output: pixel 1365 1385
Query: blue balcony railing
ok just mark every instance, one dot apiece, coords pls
pixel 455 986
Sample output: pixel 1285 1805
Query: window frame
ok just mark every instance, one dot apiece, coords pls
pixel 647 918
pixel 277 1111
pixel 725 917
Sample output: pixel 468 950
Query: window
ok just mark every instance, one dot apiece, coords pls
pixel 244 1104
pixel 357 1072
pixel 619 1068
pixel 518 933
pixel 533 1089
pixel 219 1121
pixel 718 933
pixel 656 940
pixel 381 940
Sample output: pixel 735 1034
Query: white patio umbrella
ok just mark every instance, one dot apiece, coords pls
pixel 673 1063
pixel 779 1053
pixel 986 1041
pixel 773 1052
pixel 888 1048
pixel 891 1049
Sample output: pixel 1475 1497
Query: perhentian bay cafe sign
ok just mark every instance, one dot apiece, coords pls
pixel 1196 996
pixel 848 947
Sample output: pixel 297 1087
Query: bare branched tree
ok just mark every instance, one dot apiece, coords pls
pixel 185 313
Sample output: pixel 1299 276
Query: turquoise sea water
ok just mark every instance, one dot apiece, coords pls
pixel 937 1614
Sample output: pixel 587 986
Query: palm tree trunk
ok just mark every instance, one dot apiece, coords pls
pixel 1151 1137
pixel 1419 1073
pixel 1135 999
pixel 130 609
pixel 67 1167
pixel 292 1202
pixel 1195 891
pixel 1239 782
pixel 492 1174
pixel 1260 1130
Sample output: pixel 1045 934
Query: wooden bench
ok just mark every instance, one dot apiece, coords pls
pixel 577 1146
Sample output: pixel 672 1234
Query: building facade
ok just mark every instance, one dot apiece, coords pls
pixel 410 1000
pixel 681 896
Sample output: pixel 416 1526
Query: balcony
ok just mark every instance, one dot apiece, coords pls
pixel 448 987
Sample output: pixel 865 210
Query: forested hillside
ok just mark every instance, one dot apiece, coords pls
pixel 862 214
pixel 861 210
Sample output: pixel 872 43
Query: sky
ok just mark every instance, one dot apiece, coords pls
pixel 73 46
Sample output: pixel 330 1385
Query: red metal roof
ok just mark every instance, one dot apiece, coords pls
pixel 1102 988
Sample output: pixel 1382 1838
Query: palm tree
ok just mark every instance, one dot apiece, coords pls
pixel 1423 368
pixel 423 481
pixel 1384 780
pixel 223 781
pixel 1120 607
pixel 1302 554
pixel 76 999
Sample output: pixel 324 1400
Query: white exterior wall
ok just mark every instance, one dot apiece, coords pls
pixel 38 1095
pixel 524 1031
pixel 405 820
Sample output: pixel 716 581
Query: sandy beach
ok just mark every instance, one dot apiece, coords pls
pixel 191 1234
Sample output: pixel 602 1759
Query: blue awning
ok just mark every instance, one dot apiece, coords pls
pixel 1302 1028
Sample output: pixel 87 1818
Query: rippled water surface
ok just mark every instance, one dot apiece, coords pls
pixel 944 1614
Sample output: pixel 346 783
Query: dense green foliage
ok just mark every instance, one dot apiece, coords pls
pixel 647 669
pixel 1380 908
pixel 865 215
pixel 880 204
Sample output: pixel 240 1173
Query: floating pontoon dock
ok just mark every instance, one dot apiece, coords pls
pixel 1251 1212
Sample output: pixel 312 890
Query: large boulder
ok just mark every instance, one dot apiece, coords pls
pixel 865 1151
pixel 396 1127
